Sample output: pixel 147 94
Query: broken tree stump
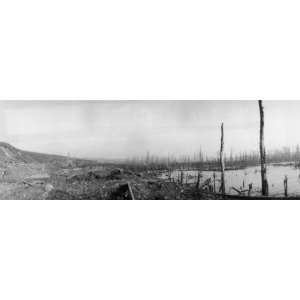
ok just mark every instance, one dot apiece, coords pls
pixel 198 180
pixel 285 184
pixel 250 189
pixel 181 177
pixel 214 176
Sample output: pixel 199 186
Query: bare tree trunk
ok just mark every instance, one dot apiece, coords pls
pixel 222 161
pixel 264 182
pixel 250 189
pixel 214 176
pixel 181 177
pixel 285 183
pixel 198 180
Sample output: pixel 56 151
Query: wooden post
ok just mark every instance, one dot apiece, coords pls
pixel 222 163
pixel 285 183
pixel 198 180
pixel 264 182
pixel 250 189
pixel 181 177
pixel 214 175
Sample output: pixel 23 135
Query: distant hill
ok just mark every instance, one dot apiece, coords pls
pixel 9 153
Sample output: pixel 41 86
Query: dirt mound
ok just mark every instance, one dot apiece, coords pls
pixel 88 176
pixel 115 174
pixel 60 195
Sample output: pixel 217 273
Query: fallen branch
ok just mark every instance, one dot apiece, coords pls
pixel 239 191
pixel 27 183
pixel 130 191
pixel 206 183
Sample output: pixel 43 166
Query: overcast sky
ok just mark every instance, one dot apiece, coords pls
pixel 119 129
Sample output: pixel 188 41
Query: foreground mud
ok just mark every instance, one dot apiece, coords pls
pixel 30 175
pixel 42 181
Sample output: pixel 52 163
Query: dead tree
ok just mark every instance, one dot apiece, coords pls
pixel 285 183
pixel 250 189
pixel 264 182
pixel 222 163
pixel 214 176
pixel 198 180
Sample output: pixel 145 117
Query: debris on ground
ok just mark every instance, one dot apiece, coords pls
pixel 27 175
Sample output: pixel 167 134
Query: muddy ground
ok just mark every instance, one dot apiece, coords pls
pixel 54 181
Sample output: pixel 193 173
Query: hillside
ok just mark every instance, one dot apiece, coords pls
pixel 11 154
pixel 31 175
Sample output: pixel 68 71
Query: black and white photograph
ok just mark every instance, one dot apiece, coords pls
pixel 150 150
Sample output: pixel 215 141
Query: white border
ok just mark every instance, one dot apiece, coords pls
pixel 109 50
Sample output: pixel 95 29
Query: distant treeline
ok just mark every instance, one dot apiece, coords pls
pixel 201 161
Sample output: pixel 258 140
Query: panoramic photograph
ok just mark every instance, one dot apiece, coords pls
pixel 149 150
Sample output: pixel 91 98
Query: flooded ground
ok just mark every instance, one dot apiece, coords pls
pixel 240 179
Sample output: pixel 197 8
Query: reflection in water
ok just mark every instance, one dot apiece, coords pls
pixel 240 179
